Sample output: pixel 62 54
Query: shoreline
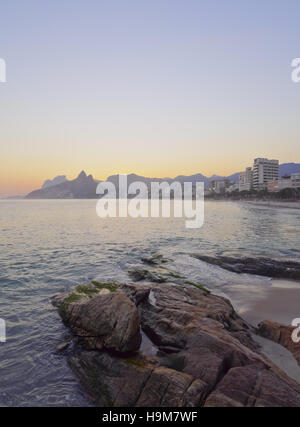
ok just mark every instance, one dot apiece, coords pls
pixel 271 204
pixel 270 306
pixel 176 343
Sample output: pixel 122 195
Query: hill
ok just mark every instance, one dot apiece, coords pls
pixel 83 187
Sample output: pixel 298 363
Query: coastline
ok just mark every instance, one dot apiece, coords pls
pixel 269 306
pixel 177 344
pixel 272 204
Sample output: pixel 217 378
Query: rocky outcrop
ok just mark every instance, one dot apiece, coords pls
pixel 259 266
pixel 204 354
pixel 253 386
pixel 135 382
pixel 282 335
pixel 101 318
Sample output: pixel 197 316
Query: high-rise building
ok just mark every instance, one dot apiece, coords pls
pixel 264 170
pixel 245 180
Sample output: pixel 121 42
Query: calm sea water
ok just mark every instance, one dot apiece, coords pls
pixel 48 246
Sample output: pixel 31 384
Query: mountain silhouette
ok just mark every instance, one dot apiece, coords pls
pixel 84 186
pixel 55 181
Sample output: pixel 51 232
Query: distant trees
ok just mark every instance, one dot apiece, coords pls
pixel 286 194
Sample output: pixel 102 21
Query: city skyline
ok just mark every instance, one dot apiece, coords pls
pixel 215 175
pixel 147 88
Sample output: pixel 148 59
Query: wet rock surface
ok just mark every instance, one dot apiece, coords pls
pixel 204 352
pixel 282 335
pixel 102 319
pixel 259 266
pixel 254 386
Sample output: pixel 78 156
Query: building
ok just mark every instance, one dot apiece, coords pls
pixel 246 180
pixel 233 187
pixel 264 170
pixel 292 181
pixel 219 186
pixel 279 184
pixel 295 178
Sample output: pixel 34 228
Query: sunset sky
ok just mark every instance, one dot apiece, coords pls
pixel 158 88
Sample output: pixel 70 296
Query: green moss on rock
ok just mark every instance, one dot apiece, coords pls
pixel 138 361
pixel 207 292
pixel 87 290
pixel 111 286
pixel 72 298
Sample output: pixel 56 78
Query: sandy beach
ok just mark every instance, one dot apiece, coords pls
pixel 280 304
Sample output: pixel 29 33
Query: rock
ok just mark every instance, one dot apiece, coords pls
pixel 138 273
pixel 60 348
pixel 258 266
pixel 136 293
pixel 153 274
pixel 168 388
pixel 206 354
pixel 110 381
pixel 58 299
pixel 155 260
pixel 202 328
pixel 252 386
pixel 135 382
pixel 280 334
pixel 109 321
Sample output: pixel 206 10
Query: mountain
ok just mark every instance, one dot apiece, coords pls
pixel 137 178
pixel 289 168
pixel 180 178
pixel 55 181
pixel 83 187
pixel 198 177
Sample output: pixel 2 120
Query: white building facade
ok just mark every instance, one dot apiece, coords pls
pixel 264 170
pixel 246 180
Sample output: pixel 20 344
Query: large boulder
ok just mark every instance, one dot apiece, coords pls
pixel 104 320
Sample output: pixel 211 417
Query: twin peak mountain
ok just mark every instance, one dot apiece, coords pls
pixel 84 186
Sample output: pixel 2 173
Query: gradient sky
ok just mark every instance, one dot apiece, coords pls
pixel 156 87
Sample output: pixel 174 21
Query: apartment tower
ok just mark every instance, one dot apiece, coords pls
pixel 264 170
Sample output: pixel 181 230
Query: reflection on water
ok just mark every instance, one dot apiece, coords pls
pixel 46 246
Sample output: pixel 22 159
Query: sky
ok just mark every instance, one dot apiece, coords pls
pixel 157 88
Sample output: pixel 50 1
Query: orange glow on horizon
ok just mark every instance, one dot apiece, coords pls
pixel 23 182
